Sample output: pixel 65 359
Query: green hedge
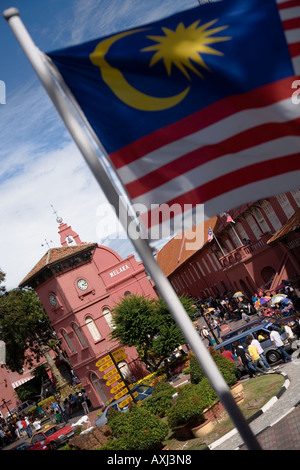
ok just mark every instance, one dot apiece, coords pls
pixel 137 429
pixel 189 406
pixel 225 366
pixel 194 397
pixel 161 399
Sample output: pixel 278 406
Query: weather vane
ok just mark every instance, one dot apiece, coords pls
pixel 58 219
pixel 47 243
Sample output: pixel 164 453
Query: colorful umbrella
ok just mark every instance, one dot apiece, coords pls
pixel 286 300
pixel 264 300
pixel 277 298
pixel 238 294
pixel 209 310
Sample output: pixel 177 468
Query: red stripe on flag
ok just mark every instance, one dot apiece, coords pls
pixel 289 4
pixel 235 180
pixel 258 98
pixel 293 23
pixel 237 143
pixel 294 49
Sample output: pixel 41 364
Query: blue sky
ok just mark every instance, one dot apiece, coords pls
pixel 40 164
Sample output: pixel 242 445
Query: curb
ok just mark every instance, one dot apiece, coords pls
pixel 265 408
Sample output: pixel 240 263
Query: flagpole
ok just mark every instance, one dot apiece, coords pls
pixel 218 244
pixel 236 234
pixel 100 172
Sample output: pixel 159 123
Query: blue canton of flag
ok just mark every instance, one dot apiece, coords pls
pixel 210 235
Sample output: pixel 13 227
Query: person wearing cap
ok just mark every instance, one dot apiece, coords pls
pixel 205 335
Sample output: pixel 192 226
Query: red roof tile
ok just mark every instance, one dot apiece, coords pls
pixel 53 256
pixel 290 226
pixel 183 246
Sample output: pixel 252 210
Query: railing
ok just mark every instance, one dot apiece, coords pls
pixel 243 252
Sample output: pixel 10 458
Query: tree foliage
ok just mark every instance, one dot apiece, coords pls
pixel 148 325
pixel 24 326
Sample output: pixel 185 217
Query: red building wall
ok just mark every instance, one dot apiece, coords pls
pixel 109 278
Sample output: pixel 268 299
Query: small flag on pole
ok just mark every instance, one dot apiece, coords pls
pixel 229 218
pixel 210 235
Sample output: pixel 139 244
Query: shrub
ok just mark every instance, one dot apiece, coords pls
pixel 189 406
pixel 138 429
pixel 206 392
pixel 161 399
pixel 120 443
pixel 196 371
pixel 225 366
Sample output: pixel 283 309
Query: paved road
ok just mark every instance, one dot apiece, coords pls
pixel 278 428
pixel 275 424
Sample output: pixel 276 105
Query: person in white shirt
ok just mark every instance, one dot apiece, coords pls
pixel 277 341
pixel 289 333
pixel 260 350
pixel 36 424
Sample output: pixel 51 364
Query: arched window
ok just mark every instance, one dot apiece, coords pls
pixel 267 273
pixel 296 196
pixel 242 231
pixel 253 225
pixel 98 388
pixel 93 328
pixel 285 205
pixel 108 317
pixel 79 335
pixel 229 245
pixel 234 237
pixel 260 220
pixel 125 371
pixel 68 341
pixel 266 206
pixel 206 265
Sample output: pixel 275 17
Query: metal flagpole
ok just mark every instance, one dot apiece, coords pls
pixel 218 244
pixel 100 172
pixel 236 234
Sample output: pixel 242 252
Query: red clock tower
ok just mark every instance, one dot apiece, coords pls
pixel 78 285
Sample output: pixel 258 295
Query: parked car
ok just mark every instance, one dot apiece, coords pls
pixel 28 446
pixel 271 353
pixel 53 436
pixel 20 409
pixel 291 321
pixel 144 391
pixel 241 329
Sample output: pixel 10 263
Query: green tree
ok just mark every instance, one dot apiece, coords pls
pixel 148 325
pixel 2 279
pixel 25 329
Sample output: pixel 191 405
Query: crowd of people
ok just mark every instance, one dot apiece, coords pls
pixel 249 357
pixel 58 412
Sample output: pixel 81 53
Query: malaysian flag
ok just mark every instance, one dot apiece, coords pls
pixel 210 235
pixel 196 109
pixel 229 218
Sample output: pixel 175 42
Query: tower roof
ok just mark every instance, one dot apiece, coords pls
pixel 50 263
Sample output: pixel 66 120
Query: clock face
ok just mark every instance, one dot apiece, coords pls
pixel 52 300
pixel 82 284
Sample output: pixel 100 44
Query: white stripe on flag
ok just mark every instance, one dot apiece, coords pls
pixel 221 166
pixel 211 135
pixel 292 35
pixel 289 13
